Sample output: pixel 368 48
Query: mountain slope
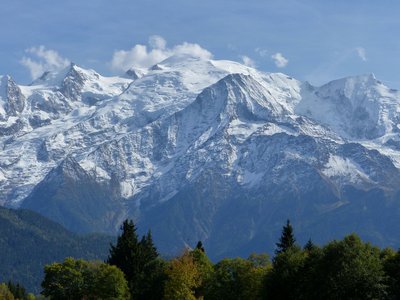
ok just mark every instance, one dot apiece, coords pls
pixel 29 241
pixel 59 196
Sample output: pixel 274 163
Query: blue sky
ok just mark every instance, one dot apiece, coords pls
pixel 320 40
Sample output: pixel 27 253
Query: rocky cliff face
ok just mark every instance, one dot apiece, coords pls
pixel 211 150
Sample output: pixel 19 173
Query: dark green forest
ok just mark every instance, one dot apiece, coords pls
pixel 29 241
pixel 342 269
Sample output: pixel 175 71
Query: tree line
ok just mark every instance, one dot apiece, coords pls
pixel 341 269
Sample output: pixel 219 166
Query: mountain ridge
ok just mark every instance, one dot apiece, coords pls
pixel 195 142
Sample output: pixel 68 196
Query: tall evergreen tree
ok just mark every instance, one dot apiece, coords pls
pixel 200 246
pixel 287 239
pixel 309 246
pixel 138 260
pixel 148 249
pixel 152 275
pixel 125 254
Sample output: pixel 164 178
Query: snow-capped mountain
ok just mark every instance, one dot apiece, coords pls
pixel 206 150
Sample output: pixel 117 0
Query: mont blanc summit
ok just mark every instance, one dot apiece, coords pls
pixel 201 149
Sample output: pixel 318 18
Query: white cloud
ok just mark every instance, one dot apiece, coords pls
pixel 44 60
pixel 157 42
pixel 138 56
pixel 361 53
pixel 248 61
pixel 262 52
pixel 192 49
pixel 280 60
pixel 144 56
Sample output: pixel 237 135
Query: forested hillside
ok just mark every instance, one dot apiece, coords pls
pixel 29 241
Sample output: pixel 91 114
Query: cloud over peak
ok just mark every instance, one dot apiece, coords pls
pixel 361 53
pixel 279 60
pixel 247 61
pixel 144 56
pixel 39 60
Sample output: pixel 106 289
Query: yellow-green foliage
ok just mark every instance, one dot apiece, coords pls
pixel 183 278
pixel 5 293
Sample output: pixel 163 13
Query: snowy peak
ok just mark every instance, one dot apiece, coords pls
pixel 71 73
pixel 74 81
pixel 241 96
pixel 358 107
pixel 77 83
pixel 350 87
pixel 135 73
pixel 236 104
pixel 52 78
pixel 12 101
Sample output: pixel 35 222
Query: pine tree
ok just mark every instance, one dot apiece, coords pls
pixel 125 254
pixel 287 239
pixel 148 249
pixel 152 275
pixel 309 246
pixel 200 246
pixel 138 260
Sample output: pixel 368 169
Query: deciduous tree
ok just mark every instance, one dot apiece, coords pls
pixel 79 279
pixel 183 278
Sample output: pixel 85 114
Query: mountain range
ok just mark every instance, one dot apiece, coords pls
pixel 200 149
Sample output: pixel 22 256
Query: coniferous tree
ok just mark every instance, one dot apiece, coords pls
pixel 125 254
pixel 148 249
pixel 139 262
pixel 152 271
pixel 287 239
pixel 309 246
pixel 200 246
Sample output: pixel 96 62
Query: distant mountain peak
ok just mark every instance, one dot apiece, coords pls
pixel 135 73
pixel 13 101
pixel 157 67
